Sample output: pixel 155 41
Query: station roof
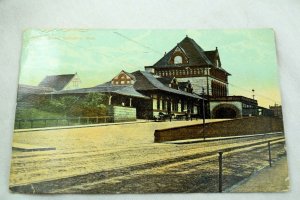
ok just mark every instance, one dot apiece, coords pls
pixel 126 90
pixel 57 82
pixel 147 81
pixel 195 54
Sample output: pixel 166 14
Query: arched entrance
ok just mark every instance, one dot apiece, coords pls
pixel 224 111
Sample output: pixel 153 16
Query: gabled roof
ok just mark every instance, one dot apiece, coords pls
pixel 57 82
pixel 128 74
pixel 211 55
pixel 146 81
pixel 193 51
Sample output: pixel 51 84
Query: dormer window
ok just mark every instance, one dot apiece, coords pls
pixel 174 84
pixel 178 60
pixel 189 87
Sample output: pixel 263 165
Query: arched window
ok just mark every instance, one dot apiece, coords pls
pixel 178 60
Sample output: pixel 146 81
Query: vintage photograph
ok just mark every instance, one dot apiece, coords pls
pixel 114 111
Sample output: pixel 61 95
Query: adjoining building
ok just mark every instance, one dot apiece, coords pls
pixel 276 110
pixel 167 94
pixel 61 82
pixel 28 94
pixel 233 107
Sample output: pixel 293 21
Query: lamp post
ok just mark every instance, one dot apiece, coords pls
pixel 254 107
pixel 203 113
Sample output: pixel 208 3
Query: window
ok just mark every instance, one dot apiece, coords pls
pixel 178 60
pixel 75 84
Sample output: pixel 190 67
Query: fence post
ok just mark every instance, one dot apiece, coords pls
pixel 45 123
pixel 19 124
pixel 220 171
pixel 270 158
pixel 68 121
pixel 79 120
pixel 31 123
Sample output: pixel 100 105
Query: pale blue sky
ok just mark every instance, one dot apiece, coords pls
pixel 98 55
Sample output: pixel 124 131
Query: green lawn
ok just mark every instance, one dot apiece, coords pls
pixel 24 119
pixel 33 113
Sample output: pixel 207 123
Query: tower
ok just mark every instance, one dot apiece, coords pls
pixel 187 61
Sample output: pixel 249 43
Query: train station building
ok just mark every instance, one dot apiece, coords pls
pixel 187 61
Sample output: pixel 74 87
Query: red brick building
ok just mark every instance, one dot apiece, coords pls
pixel 188 62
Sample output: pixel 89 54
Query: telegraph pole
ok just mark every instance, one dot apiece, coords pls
pixel 203 113
pixel 254 109
pixel 253 93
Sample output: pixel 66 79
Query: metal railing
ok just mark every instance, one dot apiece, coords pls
pixel 67 121
pixel 221 157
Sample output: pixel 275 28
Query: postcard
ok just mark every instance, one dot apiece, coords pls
pixel 111 111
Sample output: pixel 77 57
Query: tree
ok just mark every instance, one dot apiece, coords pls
pixel 94 104
pixel 90 105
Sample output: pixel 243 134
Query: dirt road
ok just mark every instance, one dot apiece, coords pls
pixel 124 159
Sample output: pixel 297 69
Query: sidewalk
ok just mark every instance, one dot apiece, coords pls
pixel 80 126
pixel 269 179
pixel 190 141
pixel 138 121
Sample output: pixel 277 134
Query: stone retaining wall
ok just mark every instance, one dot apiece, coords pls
pixel 122 114
pixel 235 127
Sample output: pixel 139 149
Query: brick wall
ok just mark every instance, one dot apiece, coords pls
pixel 243 126
pixel 122 114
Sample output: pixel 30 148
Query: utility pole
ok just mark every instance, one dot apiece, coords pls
pixel 207 91
pixel 253 93
pixel 203 113
pixel 254 107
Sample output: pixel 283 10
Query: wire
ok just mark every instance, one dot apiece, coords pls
pixel 249 91
pixel 138 43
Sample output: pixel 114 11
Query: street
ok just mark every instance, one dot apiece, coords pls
pixel 124 159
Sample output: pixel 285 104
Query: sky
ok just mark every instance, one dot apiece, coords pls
pixel 97 56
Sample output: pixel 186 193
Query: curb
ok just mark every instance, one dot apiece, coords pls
pixel 77 126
